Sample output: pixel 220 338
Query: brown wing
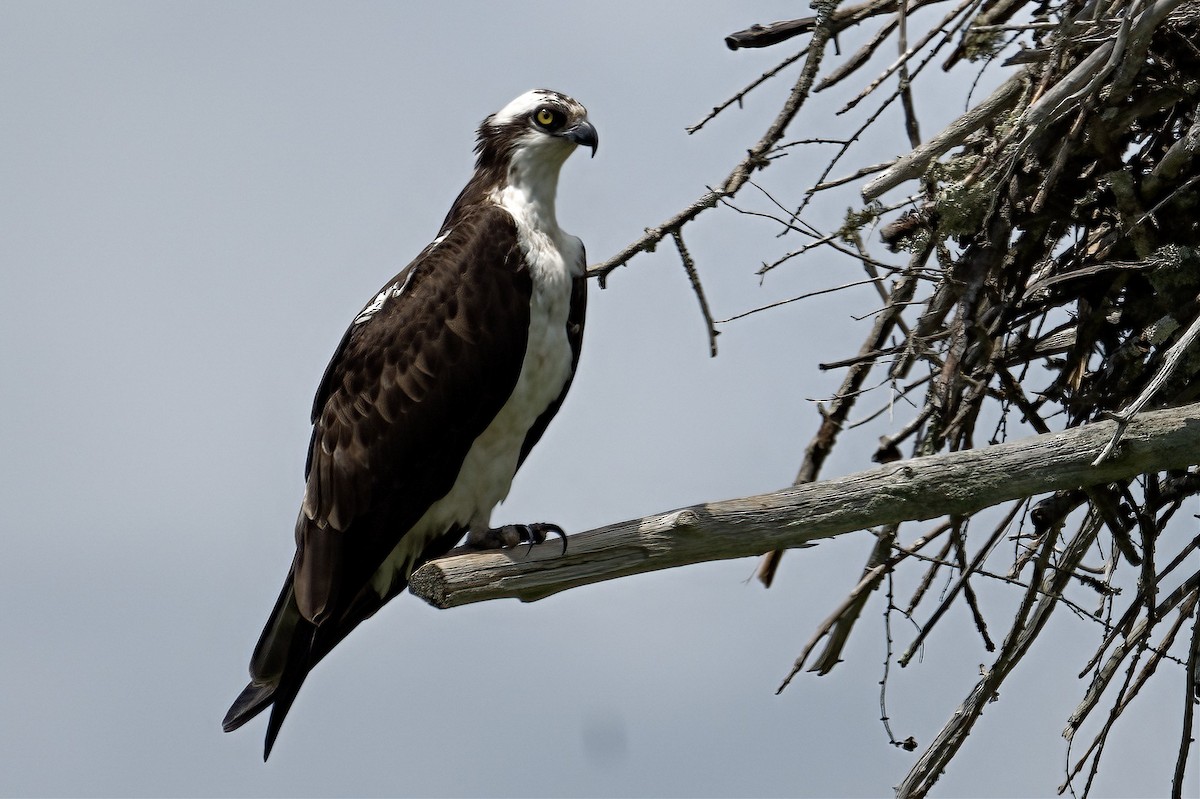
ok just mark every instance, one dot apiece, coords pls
pixel 408 391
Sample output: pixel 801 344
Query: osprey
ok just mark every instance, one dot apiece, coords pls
pixel 436 394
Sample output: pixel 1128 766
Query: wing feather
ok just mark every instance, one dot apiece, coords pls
pixel 409 389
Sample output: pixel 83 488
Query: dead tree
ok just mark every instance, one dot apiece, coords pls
pixel 1041 273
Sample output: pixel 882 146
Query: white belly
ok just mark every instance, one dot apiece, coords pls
pixel 488 469
pixel 487 472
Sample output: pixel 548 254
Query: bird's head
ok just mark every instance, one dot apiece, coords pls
pixel 539 127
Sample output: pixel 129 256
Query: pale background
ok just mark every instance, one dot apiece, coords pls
pixel 196 199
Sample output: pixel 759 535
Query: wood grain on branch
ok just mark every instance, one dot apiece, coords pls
pixel 921 488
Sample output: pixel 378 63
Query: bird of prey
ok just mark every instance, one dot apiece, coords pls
pixel 436 394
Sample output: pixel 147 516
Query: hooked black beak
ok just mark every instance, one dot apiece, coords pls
pixel 583 134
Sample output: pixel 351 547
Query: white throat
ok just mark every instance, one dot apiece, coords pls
pixel 532 184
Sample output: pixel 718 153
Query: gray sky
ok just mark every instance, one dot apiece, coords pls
pixel 195 200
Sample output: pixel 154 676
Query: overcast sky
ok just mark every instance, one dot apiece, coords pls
pixel 197 198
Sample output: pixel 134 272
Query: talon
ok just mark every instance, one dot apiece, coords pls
pixel 554 528
pixel 540 530
pixel 511 536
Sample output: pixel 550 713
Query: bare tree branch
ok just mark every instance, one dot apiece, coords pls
pixel 776 32
pixel 1027 625
pixel 737 98
pixel 921 488
pixel 689 266
pixel 1191 696
pixel 1170 362
pixel 756 158
pixel 914 164
pixel 835 419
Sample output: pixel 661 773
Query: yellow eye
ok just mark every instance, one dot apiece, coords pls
pixel 544 116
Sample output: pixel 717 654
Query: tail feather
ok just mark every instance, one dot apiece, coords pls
pixel 282 659
pixel 291 646
pixel 250 702
pixel 277 692
pixel 285 694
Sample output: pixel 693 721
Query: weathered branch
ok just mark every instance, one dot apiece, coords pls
pixel 768 35
pixel 921 488
pixel 773 33
pixel 1191 694
pixel 1084 78
pixel 914 164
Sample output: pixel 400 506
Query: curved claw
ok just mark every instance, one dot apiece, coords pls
pixel 547 527
pixel 511 536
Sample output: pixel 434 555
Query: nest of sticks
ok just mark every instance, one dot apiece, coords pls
pixel 1052 244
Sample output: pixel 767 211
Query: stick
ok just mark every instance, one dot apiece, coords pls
pixel 918 489
pixel 915 163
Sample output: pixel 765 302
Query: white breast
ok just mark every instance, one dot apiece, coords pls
pixel 554 259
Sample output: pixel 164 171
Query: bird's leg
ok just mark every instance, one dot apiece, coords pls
pixel 511 536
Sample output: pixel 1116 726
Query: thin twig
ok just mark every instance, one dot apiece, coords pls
pixel 909 743
pixel 790 300
pixel 905 55
pixel 1184 597
pixel 831 423
pixel 756 158
pixel 1027 625
pixel 1132 684
pixel 877 567
pixel 1170 362
pixel 737 98
pixel 961 584
pixel 690 267
pixel 1191 696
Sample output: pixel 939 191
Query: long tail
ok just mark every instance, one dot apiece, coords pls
pixel 288 649
pixel 298 666
pixel 281 661
pixel 291 646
